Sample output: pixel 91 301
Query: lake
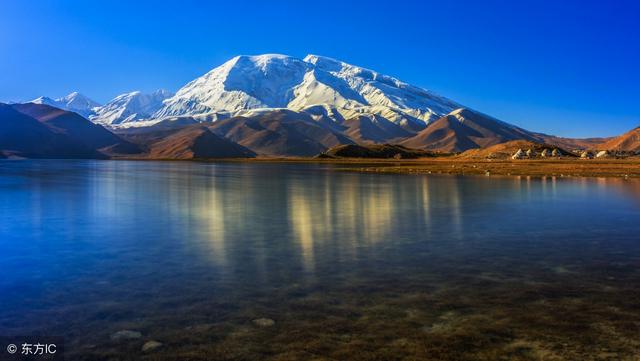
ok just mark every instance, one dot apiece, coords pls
pixel 268 261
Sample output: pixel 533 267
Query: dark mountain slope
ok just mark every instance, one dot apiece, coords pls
pixel 464 129
pixel 78 128
pixel 368 129
pixel 194 142
pixel 380 151
pixel 279 133
pixel 24 136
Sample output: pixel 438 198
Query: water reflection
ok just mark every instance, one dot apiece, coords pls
pixel 332 213
pixel 85 246
pixel 220 210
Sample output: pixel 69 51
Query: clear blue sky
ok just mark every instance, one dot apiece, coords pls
pixel 563 67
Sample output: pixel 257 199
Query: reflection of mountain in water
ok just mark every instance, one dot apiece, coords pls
pixel 240 219
pixel 194 251
pixel 331 217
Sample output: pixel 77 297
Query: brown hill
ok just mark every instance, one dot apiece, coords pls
pixel 373 129
pixel 51 132
pixel 507 149
pixel 24 136
pixel 196 141
pixel 284 132
pixel 279 133
pixel 75 126
pixel 572 143
pixel 384 151
pixel 464 129
pixel 628 142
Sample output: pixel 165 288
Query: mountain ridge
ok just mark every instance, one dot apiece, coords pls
pixel 74 102
pixel 279 105
pixel 129 107
pixel 629 142
pixel 281 81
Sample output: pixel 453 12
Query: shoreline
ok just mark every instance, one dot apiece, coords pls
pixel 567 167
pixel 614 168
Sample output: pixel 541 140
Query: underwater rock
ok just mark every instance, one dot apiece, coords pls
pixel 264 322
pixel 151 345
pixel 201 327
pixel 125 335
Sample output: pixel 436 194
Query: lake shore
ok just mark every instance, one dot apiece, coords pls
pixel 535 168
pixel 453 165
pixel 618 168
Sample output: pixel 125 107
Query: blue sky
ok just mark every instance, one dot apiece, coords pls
pixel 568 67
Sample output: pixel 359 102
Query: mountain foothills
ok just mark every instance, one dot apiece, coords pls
pixel 268 105
pixel 42 131
pixel 629 141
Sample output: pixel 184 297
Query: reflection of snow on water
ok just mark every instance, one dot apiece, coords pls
pixel 259 261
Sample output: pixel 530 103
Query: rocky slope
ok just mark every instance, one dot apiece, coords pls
pixel 22 135
pixel 279 133
pixel 196 142
pixel 71 124
pixel 628 142
pixel 465 129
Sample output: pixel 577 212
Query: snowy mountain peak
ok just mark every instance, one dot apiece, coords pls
pixel 162 92
pixel 74 102
pixel 264 61
pixel 458 114
pixel 128 107
pixel 78 101
pixel 73 96
pixel 339 67
pixel 281 81
pixel 42 100
pixel 322 61
pixel 244 82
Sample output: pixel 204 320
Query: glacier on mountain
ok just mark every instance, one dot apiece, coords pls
pixel 326 89
pixel 129 107
pixel 322 86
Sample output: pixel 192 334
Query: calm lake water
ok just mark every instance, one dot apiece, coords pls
pixel 348 266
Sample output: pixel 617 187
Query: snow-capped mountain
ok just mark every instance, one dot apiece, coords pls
pixel 129 107
pixel 318 85
pixel 74 102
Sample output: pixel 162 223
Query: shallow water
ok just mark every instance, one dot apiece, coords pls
pixel 349 266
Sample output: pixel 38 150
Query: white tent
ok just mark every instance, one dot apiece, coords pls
pixel 518 155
